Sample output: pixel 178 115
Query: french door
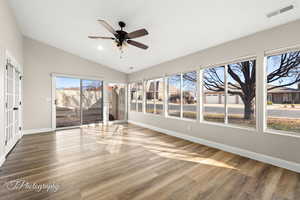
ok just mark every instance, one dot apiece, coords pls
pixel 12 91
pixel 78 101
pixel 117 101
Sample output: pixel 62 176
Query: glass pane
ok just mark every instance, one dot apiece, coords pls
pixel 140 97
pixel 189 93
pixel 214 91
pixel 174 96
pixel 150 96
pixel 92 101
pixel 241 93
pixel 67 102
pixel 283 92
pixel 159 96
pixel 133 96
pixel 116 96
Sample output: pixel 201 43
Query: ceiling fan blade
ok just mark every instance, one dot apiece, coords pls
pixel 137 44
pixel 136 34
pixel 107 26
pixel 99 37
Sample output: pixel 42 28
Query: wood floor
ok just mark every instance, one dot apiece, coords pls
pixel 124 162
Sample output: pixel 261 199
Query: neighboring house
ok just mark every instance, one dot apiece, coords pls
pixel 284 95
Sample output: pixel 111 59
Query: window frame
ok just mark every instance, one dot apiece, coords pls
pixel 198 95
pixel 181 96
pixel 225 64
pixel 130 99
pixel 269 53
pixel 155 80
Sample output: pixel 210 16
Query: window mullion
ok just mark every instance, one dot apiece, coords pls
pixel 226 94
pixel 181 95
pixel 199 94
pixel 154 97
pixel 81 112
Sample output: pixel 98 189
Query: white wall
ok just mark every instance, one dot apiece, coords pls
pixel 10 40
pixel 40 60
pixel 275 145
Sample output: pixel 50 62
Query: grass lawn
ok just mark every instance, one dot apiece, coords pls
pixel 232 119
pixel 285 124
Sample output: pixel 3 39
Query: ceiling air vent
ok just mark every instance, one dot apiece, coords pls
pixel 280 11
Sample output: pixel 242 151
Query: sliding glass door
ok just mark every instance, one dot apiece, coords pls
pixel 78 101
pixel 91 101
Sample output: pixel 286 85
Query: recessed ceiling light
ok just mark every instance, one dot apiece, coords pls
pixel 131 68
pixel 100 48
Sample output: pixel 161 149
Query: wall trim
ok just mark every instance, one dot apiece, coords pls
pixel 242 152
pixel 2 160
pixel 35 131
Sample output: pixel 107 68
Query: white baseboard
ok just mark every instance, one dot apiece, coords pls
pixel 35 131
pixel 245 153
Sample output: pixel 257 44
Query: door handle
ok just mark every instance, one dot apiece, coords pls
pixel 16 108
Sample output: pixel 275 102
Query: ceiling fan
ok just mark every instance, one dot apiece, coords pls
pixel 121 37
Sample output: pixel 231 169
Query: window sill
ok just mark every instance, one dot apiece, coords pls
pixel 229 126
pixel 282 133
pixel 182 119
pixel 153 114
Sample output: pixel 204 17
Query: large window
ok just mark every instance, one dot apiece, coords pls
pixel 140 95
pixel 231 101
pixel 182 95
pixel 154 96
pixel 241 80
pixel 283 92
pixel 136 96
pixel 133 96
pixel 174 95
pixel 189 94
pixel 214 94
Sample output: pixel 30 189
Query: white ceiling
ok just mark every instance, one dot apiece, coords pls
pixel 176 27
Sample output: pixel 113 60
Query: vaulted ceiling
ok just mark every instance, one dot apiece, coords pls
pixel 176 27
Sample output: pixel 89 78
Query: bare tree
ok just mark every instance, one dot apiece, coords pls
pixel 242 79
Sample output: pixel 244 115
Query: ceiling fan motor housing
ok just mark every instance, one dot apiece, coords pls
pixel 121 34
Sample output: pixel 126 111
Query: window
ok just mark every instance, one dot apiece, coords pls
pixel 241 93
pixel 174 95
pixel 140 96
pixel 189 94
pixel 214 94
pixel 283 92
pixel 150 92
pixel 159 96
pixel 133 96
pixel 231 101
pixel 154 96
pixel 136 97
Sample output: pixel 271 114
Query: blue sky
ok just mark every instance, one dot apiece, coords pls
pixel 272 64
pixel 65 82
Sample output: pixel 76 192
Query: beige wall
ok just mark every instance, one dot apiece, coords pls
pixel 279 146
pixel 10 40
pixel 10 36
pixel 40 60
